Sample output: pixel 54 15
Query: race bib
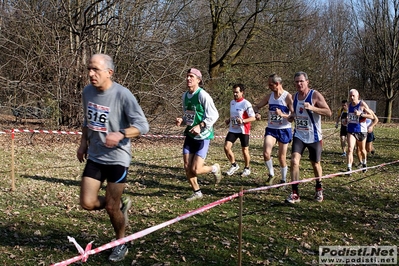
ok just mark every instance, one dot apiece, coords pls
pixel 352 118
pixel 302 123
pixel 234 122
pixel 275 119
pixel 189 116
pixel 97 117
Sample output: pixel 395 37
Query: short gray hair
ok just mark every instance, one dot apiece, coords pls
pixel 275 78
pixel 109 63
pixel 355 91
pixel 301 73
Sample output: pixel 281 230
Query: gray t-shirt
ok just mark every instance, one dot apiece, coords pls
pixel 109 111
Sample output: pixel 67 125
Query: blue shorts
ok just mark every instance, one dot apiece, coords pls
pixel 370 137
pixel 102 172
pixel 283 135
pixel 195 146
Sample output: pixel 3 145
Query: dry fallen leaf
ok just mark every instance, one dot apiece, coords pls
pixel 305 245
pixel 286 251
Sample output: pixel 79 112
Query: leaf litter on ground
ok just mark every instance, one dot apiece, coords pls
pixel 44 209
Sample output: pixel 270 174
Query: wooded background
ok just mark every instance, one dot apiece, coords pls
pixel 342 45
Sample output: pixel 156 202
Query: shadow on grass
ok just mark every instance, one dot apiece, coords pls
pixel 67 182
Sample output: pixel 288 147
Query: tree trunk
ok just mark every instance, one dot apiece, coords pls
pixel 388 110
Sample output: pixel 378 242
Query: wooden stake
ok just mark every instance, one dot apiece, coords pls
pixel 12 162
pixel 240 229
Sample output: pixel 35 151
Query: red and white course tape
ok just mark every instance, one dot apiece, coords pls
pixel 150 136
pixel 84 254
pixel 88 251
pixel 48 131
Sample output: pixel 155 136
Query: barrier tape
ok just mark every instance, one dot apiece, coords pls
pixel 182 136
pixel 80 133
pixel 144 136
pixel 322 177
pixel 84 254
pixel 392 118
pixel 88 251
pixel 46 131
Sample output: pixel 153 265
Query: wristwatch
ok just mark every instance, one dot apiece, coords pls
pixel 123 132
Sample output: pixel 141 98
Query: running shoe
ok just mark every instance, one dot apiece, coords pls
pixel 319 195
pixel 270 180
pixel 195 196
pixel 232 170
pixel 246 172
pixel 343 154
pixel 218 174
pixel 126 205
pixel 118 253
pixel 365 167
pixel 348 170
pixel 282 182
pixel 293 198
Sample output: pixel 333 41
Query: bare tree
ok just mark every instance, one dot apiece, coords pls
pixel 45 46
pixel 48 45
pixel 378 38
pixel 236 25
pixel 336 39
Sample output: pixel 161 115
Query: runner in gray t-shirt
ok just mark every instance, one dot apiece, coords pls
pixel 112 117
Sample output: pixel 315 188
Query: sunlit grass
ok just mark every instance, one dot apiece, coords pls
pixel 37 218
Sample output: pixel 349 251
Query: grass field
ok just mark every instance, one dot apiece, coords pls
pixel 37 217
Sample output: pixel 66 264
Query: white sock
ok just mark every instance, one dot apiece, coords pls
pixel 269 165
pixel 284 173
pixel 214 168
